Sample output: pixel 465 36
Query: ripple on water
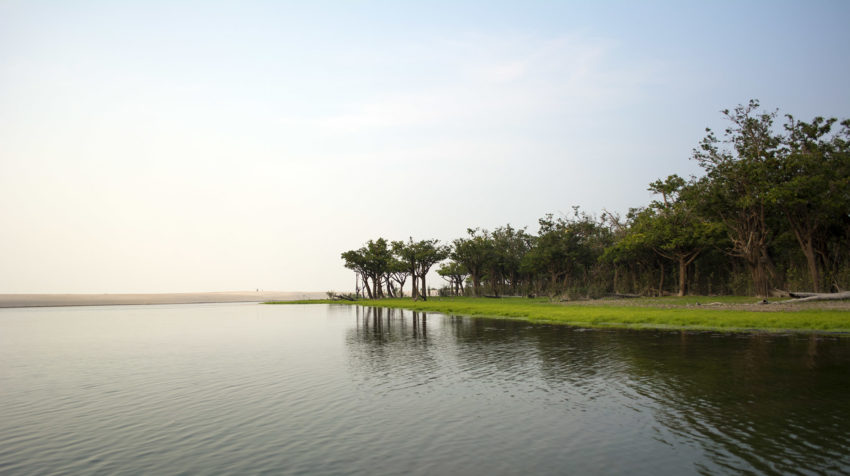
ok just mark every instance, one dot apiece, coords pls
pixel 235 389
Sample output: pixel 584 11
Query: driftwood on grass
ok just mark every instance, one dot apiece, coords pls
pixel 798 295
pixel 809 297
pixel 345 298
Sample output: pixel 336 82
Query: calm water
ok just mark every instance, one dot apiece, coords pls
pixel 247 389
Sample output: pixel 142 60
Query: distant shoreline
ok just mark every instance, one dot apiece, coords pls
pixel 61 300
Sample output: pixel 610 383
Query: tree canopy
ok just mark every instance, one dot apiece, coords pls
pixel 771 210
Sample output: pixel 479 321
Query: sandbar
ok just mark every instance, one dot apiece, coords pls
pixel 50 300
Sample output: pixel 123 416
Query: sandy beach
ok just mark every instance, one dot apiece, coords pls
pixel 48 300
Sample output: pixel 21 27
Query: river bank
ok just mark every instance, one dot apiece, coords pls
pixel 734 314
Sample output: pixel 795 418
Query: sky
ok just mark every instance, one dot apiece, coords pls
pixel 210 146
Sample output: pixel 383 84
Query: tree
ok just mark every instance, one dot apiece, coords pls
pixel 398 271
pixel 567 252
pixel 418 257
pixel 589 238
pixel 739 179
pixel 378 263
pixel 672 227
pixel 549 255
pixel 473 253
pixel 371 262
pixel 617 255
pixel 356 260
pixel 510 246
pixel 455 274
pixel 428 253
pixel 632 249
pixel 777 204
pixel 814 187
pixel 406 254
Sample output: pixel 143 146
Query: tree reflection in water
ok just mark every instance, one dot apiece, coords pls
pixel 735 402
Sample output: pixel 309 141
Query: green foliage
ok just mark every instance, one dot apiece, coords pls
pixel 384 263
pixel 473 253
pixel 567 253
pixel 455 274
pixel 813 190
pixel 372 262
pixel 739 180
pixel 772 210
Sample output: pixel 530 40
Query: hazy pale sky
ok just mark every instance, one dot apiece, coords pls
pixel 208 146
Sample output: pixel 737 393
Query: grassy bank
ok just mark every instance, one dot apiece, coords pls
pixel 668 312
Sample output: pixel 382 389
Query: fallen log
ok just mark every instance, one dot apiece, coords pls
pixel 345 298
pixel 624 296
pixel 810 297
pixel 797 294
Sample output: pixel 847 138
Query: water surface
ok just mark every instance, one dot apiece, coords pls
pixel 298 389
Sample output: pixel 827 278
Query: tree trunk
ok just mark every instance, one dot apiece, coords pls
pixel 414 290
pixel 616 272
pixel 554 282
pixel 661 281
pixel 812 264
pixel 401 286
pixel 804 231
pixel 760 281
pixel 424 289
pixel 683 275
pixel 817 297
pixel 368 289
pixel 379 288
pixel 696 278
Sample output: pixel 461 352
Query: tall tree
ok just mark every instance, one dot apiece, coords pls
pixel 473 253
pixel 510 246
pixel 633 250
pixel 814 187
pixel 455 274
pixel 419 257
pixel 398 272
pixel 428 253
pixel 740 175
pixel 378 262
pixel 550 255
pixel 672 227
pixel 355 260
pixel 406 254
pixel 371 262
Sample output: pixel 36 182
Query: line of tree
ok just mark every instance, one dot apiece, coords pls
pixel 771 211
pixel 381 266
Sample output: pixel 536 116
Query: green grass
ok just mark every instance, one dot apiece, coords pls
pixel 631 313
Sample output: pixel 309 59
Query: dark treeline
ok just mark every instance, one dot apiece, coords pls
pixel 770 211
